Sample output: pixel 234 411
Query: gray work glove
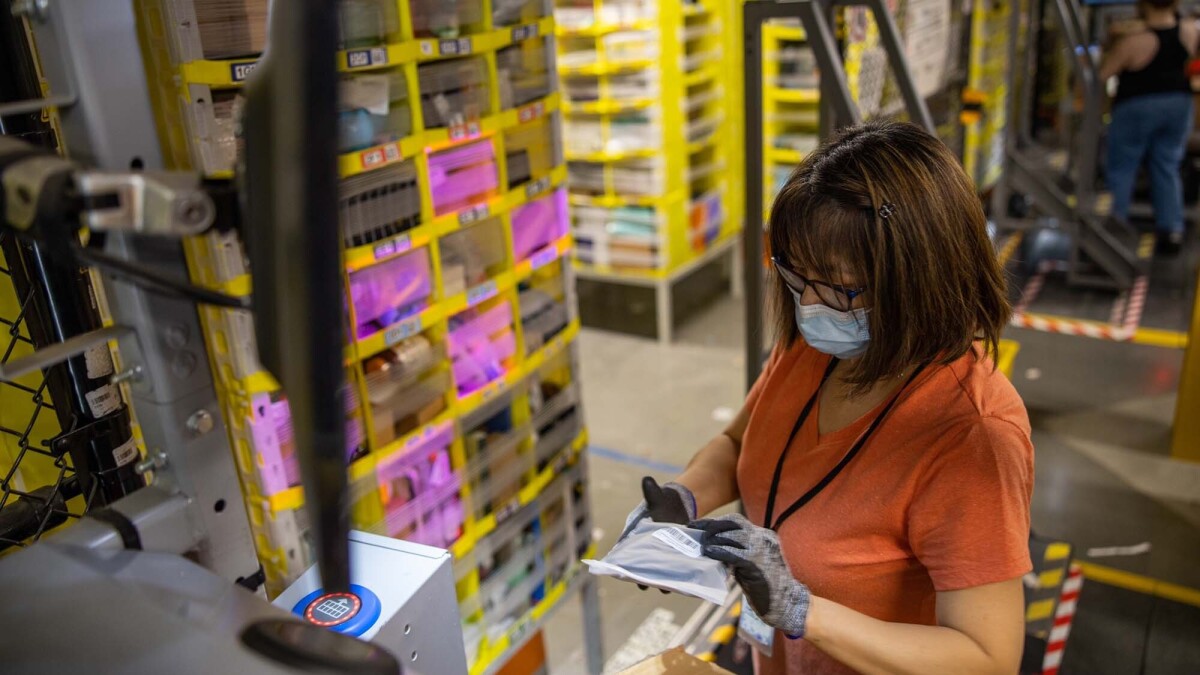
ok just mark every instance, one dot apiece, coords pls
pixel 669 503
pixel 753 555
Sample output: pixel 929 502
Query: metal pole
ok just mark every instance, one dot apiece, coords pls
pixel 814 14
pixel 918 112
pixel 753 15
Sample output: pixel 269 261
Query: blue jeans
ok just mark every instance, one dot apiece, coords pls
pixel 1152 128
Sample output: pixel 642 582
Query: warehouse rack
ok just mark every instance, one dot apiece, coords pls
pixel 652 152
pixel 462 411
pixel 791 98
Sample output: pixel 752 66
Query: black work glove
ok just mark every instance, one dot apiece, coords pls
pixel 669 503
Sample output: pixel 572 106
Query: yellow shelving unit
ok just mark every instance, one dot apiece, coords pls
pixel 985 100
pixel 790 102
pixel 651 138
pixel 476 238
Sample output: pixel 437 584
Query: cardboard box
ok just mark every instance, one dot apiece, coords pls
pixel 675 662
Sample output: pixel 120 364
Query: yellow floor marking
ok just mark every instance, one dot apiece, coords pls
pixel 1141 584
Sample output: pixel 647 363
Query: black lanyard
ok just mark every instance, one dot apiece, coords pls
pixel 816 489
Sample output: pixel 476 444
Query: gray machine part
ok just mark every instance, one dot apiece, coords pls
pixel 74 610
pixel 419 621
pixel 90 54
pixel 838 110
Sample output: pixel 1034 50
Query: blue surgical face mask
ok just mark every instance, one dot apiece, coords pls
pixel 844 335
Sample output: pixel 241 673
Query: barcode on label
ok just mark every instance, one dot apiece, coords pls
pixel 678 540
pixel 126 453
pixel 104 400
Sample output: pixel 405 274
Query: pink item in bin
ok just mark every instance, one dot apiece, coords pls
pixel 479 346
pixel 274 445
pixel 538 223
pixel 420 490
pixel 390 291
pixel 462 176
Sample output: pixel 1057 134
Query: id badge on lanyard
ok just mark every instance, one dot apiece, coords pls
pixel 754 630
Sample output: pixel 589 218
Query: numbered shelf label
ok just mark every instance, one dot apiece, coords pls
pixel 537 187
pixel 525 32
pixel 531 112
pixel 544 257
pixel 472 214
pixel 481 292
pixel 366 58
pixel 238 72
pixel 390 248
pixel 505 512
pixel 402 331
pixel 450 47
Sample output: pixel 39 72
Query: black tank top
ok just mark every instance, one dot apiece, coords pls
pixel 1166 72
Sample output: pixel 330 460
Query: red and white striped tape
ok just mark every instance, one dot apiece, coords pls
pixel 1056 644
pixel 1137 302
pixel 1101 331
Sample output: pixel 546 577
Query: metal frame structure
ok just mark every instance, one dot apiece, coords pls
pixel 838 110
pixel 1103 252
pixel 91 61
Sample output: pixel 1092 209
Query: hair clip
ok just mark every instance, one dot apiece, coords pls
pixel 886 210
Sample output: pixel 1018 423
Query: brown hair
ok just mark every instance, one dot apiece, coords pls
pixel 933 284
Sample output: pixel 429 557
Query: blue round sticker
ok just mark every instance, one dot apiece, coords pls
pixel 350 613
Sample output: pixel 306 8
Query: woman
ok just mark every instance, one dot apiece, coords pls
pixel 1151 113
pixel 884 465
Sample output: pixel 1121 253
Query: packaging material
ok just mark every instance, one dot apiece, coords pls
pixel 538 223
pixel 481 345
pixel 372 109
pixel 454 91
pixel 390 291
pixel 523 73
pixel 511 12
pixel 420 493
pixel 462 175
pixel 232 28
pixel 530 150
pixel 675 662
pixel 471 256
pixel 379 204
pixel 366 23
pixel 668 557
pixel 439 18
pixel 274 443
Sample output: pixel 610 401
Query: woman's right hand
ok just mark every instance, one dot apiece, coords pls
pixel 668 503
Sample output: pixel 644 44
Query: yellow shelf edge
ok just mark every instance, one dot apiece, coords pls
pixel 360 257
pixel 363 467
pixel 700 75
pixel 604 106
pixel 398 331
pixel 605 156
pixel 608 67
pixel 600 29
pixel 784 95
pixel 229 73
pixel 378 156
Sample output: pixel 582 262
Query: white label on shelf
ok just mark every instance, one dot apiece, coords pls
pixel 238 72
pixel 676 539
pixel 104 400
pixel 472 214
pixel 398 245
pixel 481 292
pixel 371 158
pixel 525 32
pixel 453 47
pixel 508 510
pixel 531 112
pixel 126 453
pixel 369 91
pixel 427 47
pixel 391 151
pixel 544 257
pixel 99 362
pixel 405 330
pixel 361 58
pixel 537 187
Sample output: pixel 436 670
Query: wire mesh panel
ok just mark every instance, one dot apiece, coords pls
pixel 38 490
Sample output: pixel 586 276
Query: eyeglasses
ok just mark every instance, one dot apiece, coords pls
pixel 834 295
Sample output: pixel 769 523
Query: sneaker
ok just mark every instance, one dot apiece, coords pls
pixel 1170 243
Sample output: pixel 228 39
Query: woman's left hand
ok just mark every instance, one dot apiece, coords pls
pixel 754 556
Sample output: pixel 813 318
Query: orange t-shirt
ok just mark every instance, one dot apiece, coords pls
pixel 936 500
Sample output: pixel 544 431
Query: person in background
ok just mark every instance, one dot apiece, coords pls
pixel 1151 113
pixel 885 466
